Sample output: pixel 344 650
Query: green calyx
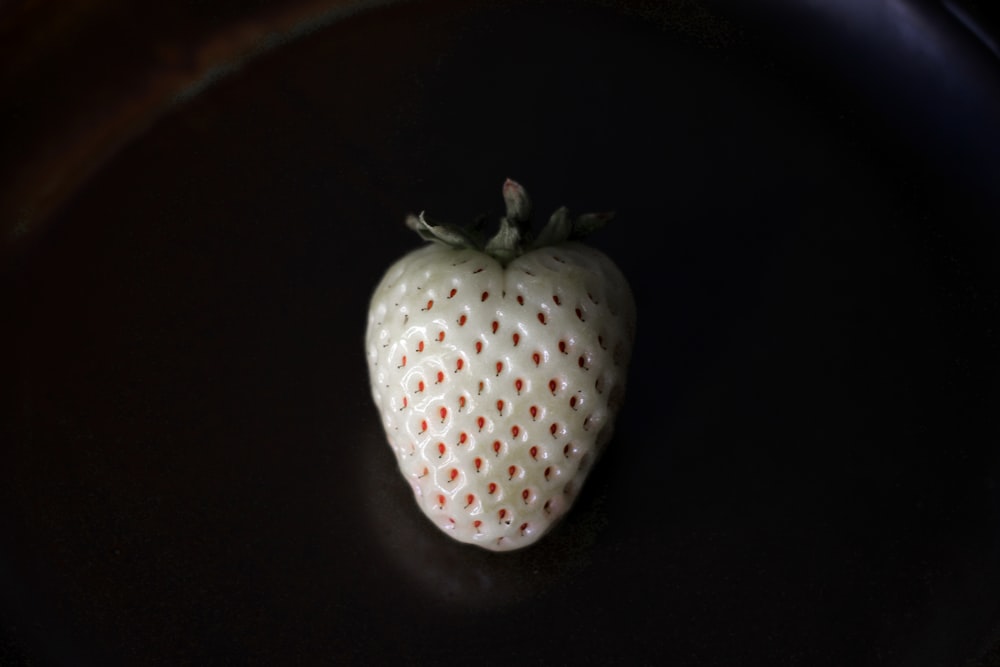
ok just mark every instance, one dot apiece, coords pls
pixel 515 235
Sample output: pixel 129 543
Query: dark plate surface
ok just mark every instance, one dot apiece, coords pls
pixel 806 469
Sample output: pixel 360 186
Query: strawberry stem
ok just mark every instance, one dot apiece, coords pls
pixel 514 236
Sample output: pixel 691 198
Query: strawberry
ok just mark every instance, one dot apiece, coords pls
pixel 498 368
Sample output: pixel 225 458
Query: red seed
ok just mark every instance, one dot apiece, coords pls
pixel 430 304
pixel 420 386
pixel 420 346
pixel 518 385
pixel 555 297
pixel 537 358
pixel 496 446
pixel 500 407
pixel 440 377
pixel 485 296
pixel 515 430
pixel 477 523
pixel 553 429
pixel 441 337
pixel 579 314
pixel 520 299
pixel 517 338
pixel 452 293
pixel 572 402
pixel 478 463
pixel 459 364
pixel 441 500
pixel 524 527
pixel 534 412
pixel 562 346
pixel 479 347
pixel 499 367
pixel 469 499
pixel 525 495
pixel 534 452
pixel 553 385
pixel 444 413
pixel 462 438
pixel 511 471
pixel 461 403
pixel 480 422
pixel 502 514
pixel 496 325
pixel 548 472
pixel 441 449
pixel 541 317
pixel 492 488
pixel 462 320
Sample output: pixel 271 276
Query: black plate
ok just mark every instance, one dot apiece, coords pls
pixel 806 469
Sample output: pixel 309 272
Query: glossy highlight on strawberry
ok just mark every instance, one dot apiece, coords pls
pixel 498 367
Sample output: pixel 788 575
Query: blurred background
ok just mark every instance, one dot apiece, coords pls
pixel 196 200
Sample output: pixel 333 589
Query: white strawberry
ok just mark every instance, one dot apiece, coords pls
pixel 498 368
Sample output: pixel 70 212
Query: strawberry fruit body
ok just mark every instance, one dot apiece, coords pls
pixel 498 369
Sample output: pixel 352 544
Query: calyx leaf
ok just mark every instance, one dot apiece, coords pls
pixel 514 236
